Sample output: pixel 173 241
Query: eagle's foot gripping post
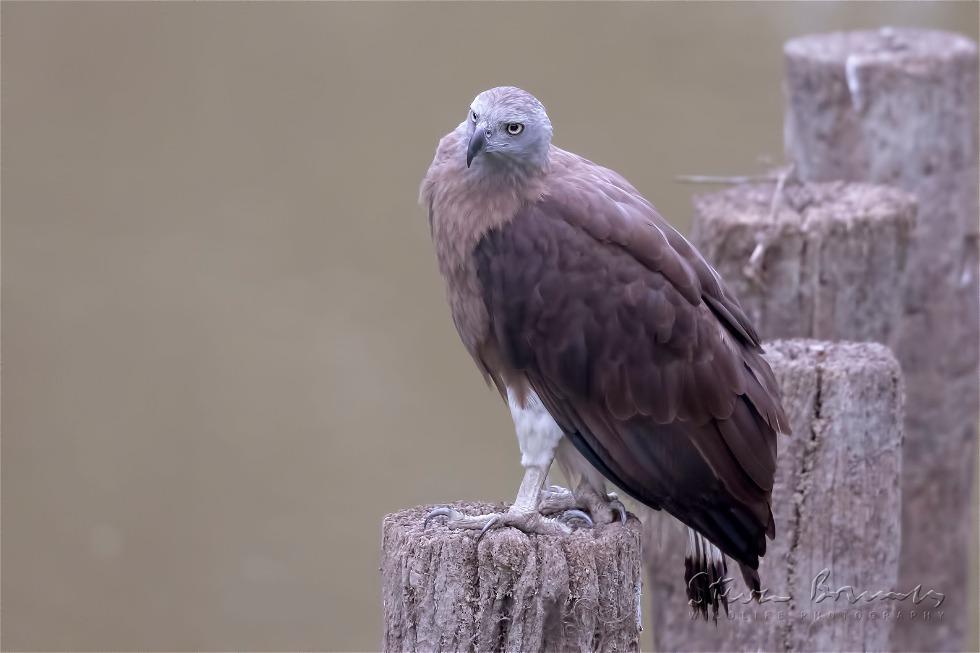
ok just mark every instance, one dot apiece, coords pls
pixel 602 510
pixel 526 522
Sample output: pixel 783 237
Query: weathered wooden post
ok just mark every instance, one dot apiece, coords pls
pixel 899 106
pixel 824 261
pixel 838 516
pixel 443 591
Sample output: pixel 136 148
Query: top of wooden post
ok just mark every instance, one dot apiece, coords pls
pixel 892 105
pixel 805 206
pixel 898 44
pixel 813 259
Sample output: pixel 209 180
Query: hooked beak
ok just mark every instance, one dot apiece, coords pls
pixel 477 141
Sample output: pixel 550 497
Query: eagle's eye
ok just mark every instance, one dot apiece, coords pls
pixel 473 116
pixel 514 128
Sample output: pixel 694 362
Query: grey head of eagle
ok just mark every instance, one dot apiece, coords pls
pixel 618 350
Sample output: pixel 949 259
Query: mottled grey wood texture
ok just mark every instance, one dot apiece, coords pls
pixel 899 106
pixel 512 592
pixel 837 507
pixel 827 263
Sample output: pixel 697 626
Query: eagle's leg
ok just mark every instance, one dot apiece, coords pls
pixel 538 436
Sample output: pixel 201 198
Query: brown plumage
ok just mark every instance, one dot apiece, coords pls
pixel 563 280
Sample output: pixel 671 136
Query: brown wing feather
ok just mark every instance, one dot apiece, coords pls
pixel 641 355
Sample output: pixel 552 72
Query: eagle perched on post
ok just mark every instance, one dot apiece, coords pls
pixel 618 349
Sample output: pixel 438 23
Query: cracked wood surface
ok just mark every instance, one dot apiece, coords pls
pixel 836 502
pixel 512 592
pixel 900 106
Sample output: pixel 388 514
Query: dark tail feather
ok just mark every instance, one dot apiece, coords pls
pixel 751 577
pixel 705 570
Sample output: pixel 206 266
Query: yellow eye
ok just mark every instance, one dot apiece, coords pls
pixel 515 128
pixel 473 116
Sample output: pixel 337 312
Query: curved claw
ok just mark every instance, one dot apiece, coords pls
pixel 619 509
pixel 569 515
pixel 486 527
pixel 439 512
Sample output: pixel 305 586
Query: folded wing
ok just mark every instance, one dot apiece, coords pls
pixel 640 354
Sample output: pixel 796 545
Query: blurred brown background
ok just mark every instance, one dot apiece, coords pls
pixel 226 351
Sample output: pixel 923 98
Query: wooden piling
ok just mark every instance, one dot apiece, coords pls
pixel 812 260
pixel 443 591
pixel 837 510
